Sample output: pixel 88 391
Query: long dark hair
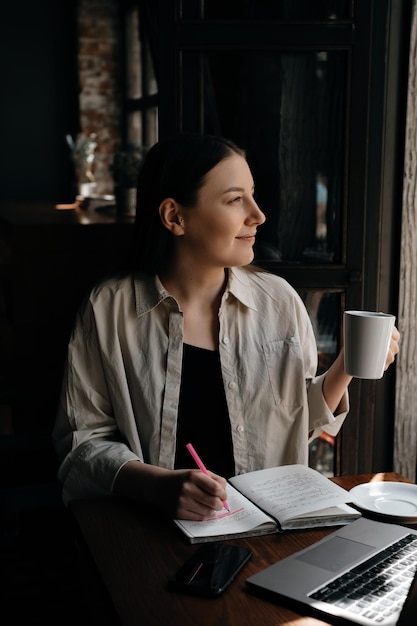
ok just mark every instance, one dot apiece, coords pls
pixel 173 168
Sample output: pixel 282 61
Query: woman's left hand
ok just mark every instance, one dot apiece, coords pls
pixel 394 347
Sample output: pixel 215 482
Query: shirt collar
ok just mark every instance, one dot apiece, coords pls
pixel 150 292
pixel 239 285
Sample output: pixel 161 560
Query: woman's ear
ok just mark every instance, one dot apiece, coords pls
pixel 169 212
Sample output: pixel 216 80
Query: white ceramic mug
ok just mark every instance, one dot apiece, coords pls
pixel 367 336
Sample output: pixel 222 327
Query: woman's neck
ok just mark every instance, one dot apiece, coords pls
pixel 192 287
pixel 199 298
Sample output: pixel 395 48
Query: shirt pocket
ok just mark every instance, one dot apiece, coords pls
pixel 285 365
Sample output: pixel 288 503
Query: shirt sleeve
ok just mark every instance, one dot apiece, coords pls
pixel 321 418
pixel 86 436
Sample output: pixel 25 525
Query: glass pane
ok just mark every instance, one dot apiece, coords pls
pixel 282 10
pixel 151 84
pixel 135 133
pixel 324 311
pixel 134 127
pixel 322 454
pixel 141 84
pixel 151 126
pixel 133 55
pixel 287 110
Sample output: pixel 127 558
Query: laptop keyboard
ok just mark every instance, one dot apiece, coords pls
pixel 377 588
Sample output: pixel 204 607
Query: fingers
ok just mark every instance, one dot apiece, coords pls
pixel 222 482
pixel 201 496
pixel 396 334
pixel 394 347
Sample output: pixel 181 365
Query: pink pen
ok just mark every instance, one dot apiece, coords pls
pixel 202 467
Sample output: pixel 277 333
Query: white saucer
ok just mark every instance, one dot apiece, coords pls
pixel 397 501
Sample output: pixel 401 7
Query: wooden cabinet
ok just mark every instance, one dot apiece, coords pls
pixel 48 260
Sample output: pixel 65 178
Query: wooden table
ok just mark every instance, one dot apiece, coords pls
pixel 135 549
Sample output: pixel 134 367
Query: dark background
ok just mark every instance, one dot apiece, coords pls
pixel 39 98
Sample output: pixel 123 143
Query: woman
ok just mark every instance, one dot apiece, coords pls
pixel 194 345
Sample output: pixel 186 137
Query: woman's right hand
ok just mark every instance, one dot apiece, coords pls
pixel 183 494
pixel 199 496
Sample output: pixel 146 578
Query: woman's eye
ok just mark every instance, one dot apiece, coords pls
pixel 237 199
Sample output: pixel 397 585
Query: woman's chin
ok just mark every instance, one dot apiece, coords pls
pixel 243 260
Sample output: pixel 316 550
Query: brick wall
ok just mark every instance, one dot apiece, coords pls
pixel 100 72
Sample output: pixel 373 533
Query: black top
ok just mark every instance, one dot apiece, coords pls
pixel 203 418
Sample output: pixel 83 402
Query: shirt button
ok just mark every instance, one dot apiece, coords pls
pixel 226 340
pixel 232 385
pixel 240 428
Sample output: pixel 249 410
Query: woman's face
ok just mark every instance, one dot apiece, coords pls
pixel 220 229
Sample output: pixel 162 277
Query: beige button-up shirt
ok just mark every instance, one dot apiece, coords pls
pixel 121 387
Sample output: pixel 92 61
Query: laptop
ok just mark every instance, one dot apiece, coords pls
pixel 363 573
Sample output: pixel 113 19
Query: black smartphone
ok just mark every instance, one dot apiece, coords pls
pixel 211 569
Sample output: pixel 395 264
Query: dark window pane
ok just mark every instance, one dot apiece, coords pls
pixel 281 10
pixel 141 84
pixel 324 311
pixel 287 110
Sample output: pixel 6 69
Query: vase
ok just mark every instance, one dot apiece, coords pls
pixel 125 201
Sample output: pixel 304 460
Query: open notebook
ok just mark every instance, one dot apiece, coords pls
pixel 364 572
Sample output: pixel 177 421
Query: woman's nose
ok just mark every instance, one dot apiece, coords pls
pixel 257 215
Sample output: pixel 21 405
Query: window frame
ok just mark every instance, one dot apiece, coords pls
pixel 375 41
